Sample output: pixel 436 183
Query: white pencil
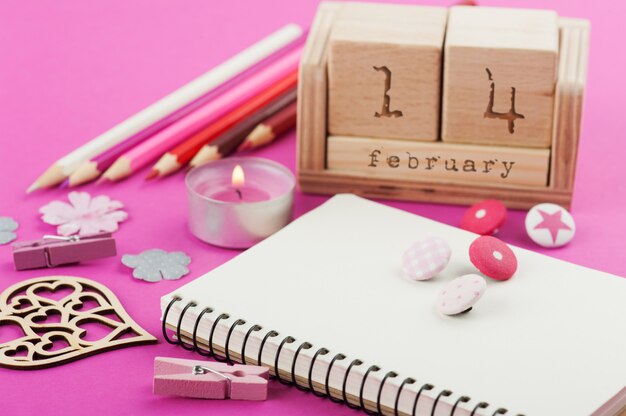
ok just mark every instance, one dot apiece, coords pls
pixel 63 167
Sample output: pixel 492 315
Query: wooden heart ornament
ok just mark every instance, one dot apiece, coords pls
pixel 48 317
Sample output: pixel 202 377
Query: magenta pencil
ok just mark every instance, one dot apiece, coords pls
pixel 169 137
pixel 93 168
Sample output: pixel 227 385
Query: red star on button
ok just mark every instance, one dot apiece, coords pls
pixel 553 223
pixel 550 225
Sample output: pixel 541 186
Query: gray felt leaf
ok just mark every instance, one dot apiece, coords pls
pixel 155 265
pixel 7 226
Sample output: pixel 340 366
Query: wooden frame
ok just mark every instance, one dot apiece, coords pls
pixel 314 177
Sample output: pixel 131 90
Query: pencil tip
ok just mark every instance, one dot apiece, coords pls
pixel 207 154
pixel 153 174
pixel 65 184
pixel 101 180
pixel 245 145
pixel 32 188
pixel 52 176
pixel 86 172
pixel 118 170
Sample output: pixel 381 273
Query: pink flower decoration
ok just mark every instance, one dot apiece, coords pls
pixel 85 215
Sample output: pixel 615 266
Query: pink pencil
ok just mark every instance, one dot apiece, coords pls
pixel 169 137
pixel 92 168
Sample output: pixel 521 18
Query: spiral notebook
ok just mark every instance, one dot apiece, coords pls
pixel 323 303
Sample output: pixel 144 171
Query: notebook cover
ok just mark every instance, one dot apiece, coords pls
pixel 550 341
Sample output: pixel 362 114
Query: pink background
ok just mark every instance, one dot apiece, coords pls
pixel 72 69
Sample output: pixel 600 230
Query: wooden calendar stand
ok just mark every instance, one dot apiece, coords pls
pixel 316 175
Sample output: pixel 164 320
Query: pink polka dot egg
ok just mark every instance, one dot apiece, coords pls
pixel 461 294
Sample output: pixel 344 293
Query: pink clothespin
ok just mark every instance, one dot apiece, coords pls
pixel 53 250
pixel 209 380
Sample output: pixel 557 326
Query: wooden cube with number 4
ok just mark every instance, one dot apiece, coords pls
pixel 384 71
pixel 500 73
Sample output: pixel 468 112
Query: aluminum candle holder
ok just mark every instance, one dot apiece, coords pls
pixel 237 202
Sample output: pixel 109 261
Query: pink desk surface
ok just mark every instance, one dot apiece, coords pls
pixel 70 70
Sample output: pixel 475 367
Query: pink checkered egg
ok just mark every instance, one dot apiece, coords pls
pixel 426 258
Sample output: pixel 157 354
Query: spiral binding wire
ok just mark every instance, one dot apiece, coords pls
pixel 213 354
pixel 327 379
pixel 321 351
pixel 245 341
pixel 179 325
pixel 408 380
pixel 391 374
pixel 372 369
pixel 294 382
pixel 481 405
pixel 444 393
pixel 305 346
pixel 227 344
pixel 344 394
pixel 286 340
pixel 462 399
pixel 194 336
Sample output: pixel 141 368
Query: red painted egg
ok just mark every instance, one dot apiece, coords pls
pixel 485 217
pixel 493 258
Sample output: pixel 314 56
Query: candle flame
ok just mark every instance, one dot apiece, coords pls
pixel 238 178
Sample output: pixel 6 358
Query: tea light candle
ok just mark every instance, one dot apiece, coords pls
pixel 237 202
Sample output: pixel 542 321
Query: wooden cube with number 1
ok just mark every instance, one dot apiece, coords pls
pixel 384 71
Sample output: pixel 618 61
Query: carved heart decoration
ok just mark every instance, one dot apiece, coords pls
pixel 23 304
pixel 20 352
pixel 49 343
pixel 90 302
pixel 25 332
pixel 43 318
pixel 48 293
pixel 30 304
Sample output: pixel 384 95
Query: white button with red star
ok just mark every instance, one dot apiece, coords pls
pixel 550 225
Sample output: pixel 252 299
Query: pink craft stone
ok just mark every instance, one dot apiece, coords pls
pixel 485 217
pixel 461 294
pixel 493 258
pixel 426 258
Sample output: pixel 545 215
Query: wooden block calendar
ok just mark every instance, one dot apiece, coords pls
pixel 441 105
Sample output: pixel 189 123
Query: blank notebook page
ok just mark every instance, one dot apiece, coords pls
pixel 550 341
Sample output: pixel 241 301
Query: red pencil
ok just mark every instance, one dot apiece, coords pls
pixel 274 126
pixel 177 157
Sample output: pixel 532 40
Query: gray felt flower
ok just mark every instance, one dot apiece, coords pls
pixel 7 226
pixel 154 265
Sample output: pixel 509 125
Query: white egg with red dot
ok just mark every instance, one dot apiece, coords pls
pixel 461 294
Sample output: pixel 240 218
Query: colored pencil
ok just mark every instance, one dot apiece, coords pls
pixel 171 136
pixel 63 167
pixel 93 168
pixel 222 137
pixel 274 126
